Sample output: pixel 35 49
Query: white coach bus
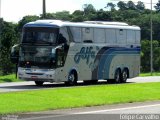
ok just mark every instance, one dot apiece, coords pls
pixel 59 51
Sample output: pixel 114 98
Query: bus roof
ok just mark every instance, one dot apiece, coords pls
pixel 96 24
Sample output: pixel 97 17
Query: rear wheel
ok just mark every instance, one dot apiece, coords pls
pixel 124 76
pixel 39 83
pixel 117 76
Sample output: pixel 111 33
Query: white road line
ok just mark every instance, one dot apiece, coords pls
pixel 91 112
pixel 117 109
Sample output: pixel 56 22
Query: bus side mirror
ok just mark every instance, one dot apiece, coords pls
pixel 14 54
pixel 53 56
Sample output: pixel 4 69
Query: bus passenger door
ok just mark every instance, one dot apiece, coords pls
pixel 60 57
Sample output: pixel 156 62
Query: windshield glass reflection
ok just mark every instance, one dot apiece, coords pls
pixel 37 56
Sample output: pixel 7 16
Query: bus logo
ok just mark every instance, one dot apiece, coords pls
pixel 86 53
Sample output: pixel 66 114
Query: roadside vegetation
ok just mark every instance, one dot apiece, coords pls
pixel 149 74
pixel 9 78
pixel 51 99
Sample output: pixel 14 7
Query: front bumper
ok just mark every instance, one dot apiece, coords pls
pixel 36 74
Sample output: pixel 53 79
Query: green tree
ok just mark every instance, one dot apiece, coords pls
pixel 89 12
pixel 157 6
pixel 156 55
pixel 48 16
pixel 140 5
pixel 125 15
pixel 26 19
pixel 102 15
pixel 7 40
pixel 111 6
pixel 131 5
pixel 156 26
pixel 64 15
pixel 122 5
pixel 77 16
pixel 145 55
pixel 89 9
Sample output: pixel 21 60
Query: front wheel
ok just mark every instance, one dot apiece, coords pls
pixel 39 83
pixel 72 79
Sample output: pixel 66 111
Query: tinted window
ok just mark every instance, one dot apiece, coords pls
pixel 40 35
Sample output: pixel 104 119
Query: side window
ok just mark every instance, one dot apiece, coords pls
pixel 76 32
pixel 99 35
pixel 63 36
pixel 87 34
pixel 131 36
pixel 121 36
pixel 138 37
pixel 111 36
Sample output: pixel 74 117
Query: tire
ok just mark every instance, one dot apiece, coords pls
pixel 39 83
pixel 124 76
pixel 72 79
pixel 117 76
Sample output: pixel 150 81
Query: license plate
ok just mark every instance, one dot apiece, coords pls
pixel 34 77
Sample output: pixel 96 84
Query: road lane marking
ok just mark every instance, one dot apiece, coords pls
pixel 118 109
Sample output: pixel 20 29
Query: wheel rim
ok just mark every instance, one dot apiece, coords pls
pixel 71 78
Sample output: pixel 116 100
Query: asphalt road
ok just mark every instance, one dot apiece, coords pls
pixel 22 86
pixel 129 111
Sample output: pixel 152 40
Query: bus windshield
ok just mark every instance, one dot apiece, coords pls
pixel 37 56
pixel 40 35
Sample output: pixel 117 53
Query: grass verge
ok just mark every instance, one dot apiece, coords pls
pixel 8 78
pixel 149 74
pixel 50 99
